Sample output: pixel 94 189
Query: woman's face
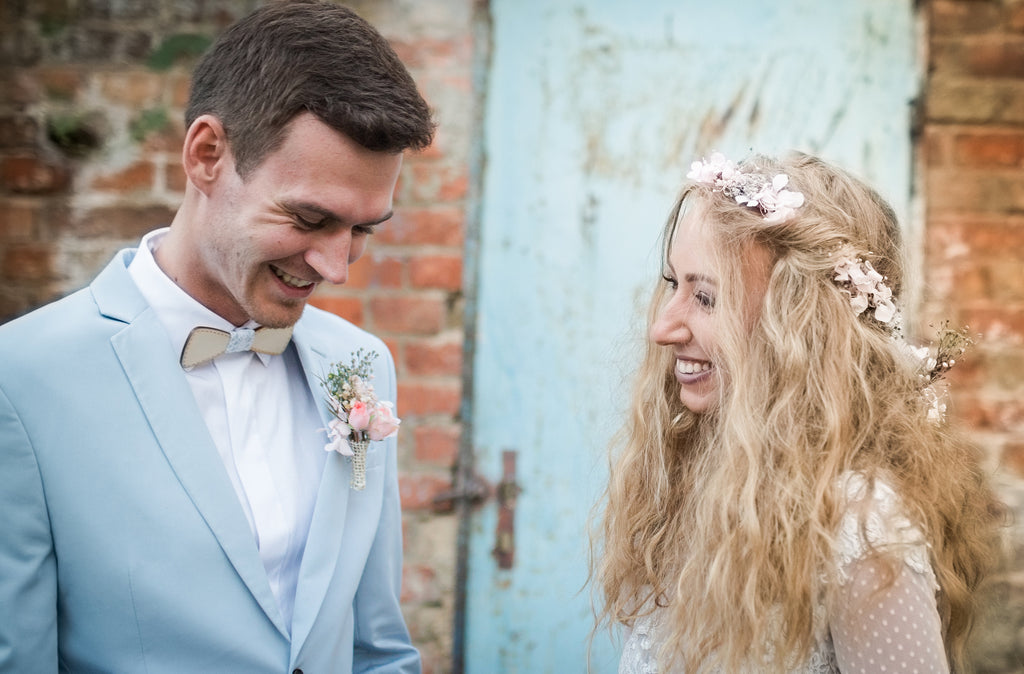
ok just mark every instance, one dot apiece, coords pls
pixel 687 322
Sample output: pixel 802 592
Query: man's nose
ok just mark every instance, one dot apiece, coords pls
pixel 329 256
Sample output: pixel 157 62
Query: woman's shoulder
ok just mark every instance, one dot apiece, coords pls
pixel 874 519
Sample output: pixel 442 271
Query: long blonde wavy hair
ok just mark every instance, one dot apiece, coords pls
pixel 727 521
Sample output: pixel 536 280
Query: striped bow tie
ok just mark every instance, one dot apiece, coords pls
pixel 205 344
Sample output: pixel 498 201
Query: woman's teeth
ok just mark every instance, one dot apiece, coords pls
pixel 291 280
pixel 691 367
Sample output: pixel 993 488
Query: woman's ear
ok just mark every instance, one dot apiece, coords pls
pixel 205 154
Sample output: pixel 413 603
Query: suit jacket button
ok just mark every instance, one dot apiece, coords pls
pixel 297 671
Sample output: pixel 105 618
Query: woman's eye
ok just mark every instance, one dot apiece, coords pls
pixel 704 299
pixel 365 229
pixel 672 283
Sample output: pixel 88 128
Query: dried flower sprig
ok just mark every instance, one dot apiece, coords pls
pixel 933 365
pixel 951 345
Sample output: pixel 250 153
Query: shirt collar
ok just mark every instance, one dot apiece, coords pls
pixel 177 311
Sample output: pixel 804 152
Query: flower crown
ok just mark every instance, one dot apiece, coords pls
pixel 753 190
pixel 867 290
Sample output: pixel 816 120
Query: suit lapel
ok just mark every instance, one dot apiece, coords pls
pixel 323 546
pixel 167 401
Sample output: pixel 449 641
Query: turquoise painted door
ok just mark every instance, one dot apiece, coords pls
pixel 594 111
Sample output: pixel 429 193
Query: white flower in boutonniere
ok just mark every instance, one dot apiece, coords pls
pixel 359 416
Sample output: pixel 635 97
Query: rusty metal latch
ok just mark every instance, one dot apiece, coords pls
pixel 475 490
pixel 507 491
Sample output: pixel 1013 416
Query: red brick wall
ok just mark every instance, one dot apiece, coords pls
pixel 973 162
pixel 91 105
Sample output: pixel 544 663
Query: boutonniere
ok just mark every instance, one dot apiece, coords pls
pixel 359 416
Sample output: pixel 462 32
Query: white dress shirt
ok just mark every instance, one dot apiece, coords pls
pixel 262 418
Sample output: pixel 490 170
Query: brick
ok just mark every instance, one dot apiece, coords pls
pixel 419 584
pixel 989 149
pixel 455 187
pixel 18 131
pixel 996 58
pixel 123 222
pixel 17 222
pixel 169 139
pixel 433 357
pixel 349 308
pixel 20 48
pixel 137 89
pixel 138 176
pixel 938 145
pixel 989 415
pixel 436 271
pixel 1015 20
pixel 375 270
pixel 997 236
pixel 18 87
pixel 433 54
pixel 988 281
pixel 418 315
pixel 33 175
pixel 975 101
pixel 960 191
pixel 180 86
pixel 394 347
pixel 441 226
pixel 437 445
pixel 952 17
pixel 1005 371
pixel 61 82
pixel 1012 458
pixel 83 45
pixel 420 399
pixel 27 262
pixel 174 177
pixel 435 183
pixel 418 491
pixel 12 307
pixel 436 150
pixel 118 9
pixel 1002 322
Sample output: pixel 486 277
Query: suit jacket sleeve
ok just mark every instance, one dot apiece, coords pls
pixel 28 570
pixel 382 641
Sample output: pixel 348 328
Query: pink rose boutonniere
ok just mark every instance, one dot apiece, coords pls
pixel 359 417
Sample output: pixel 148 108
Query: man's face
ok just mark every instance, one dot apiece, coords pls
pixel 300 218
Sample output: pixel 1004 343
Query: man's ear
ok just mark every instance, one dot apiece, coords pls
pixel 205 154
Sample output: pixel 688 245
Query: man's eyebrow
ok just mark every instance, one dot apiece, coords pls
pixel 328 214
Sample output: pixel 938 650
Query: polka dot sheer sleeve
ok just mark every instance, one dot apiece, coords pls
pixel 877 626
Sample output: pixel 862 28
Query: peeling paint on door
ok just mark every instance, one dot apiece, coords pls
pixel 594 111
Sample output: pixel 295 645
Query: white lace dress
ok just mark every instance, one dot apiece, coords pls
pixel 896 630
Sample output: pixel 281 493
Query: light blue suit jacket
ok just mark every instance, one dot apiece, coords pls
pixel 123 547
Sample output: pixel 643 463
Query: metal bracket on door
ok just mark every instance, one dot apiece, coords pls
pixel 475 490
pixel 507 491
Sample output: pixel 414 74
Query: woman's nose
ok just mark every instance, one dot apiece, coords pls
pixel 670 325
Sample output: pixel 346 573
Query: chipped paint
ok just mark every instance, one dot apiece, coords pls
pixel 594 110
